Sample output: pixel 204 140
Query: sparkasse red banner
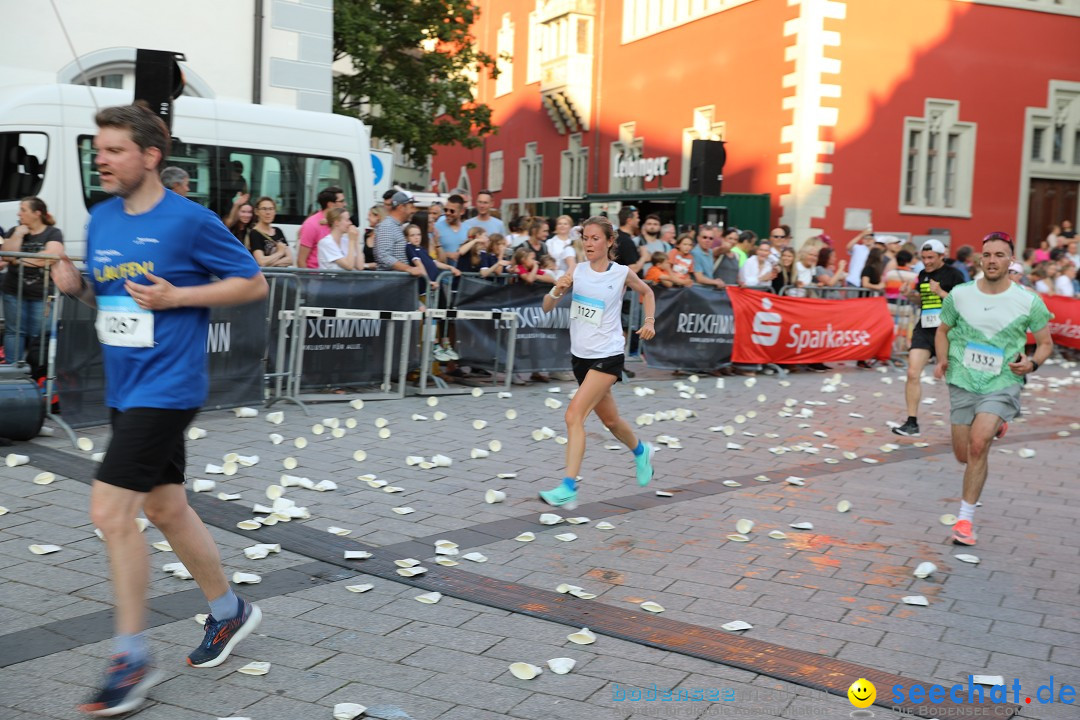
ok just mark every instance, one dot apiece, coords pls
pixel 774 329
pixel 1065 325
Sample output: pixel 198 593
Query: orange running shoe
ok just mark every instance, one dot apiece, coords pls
pixel 963 533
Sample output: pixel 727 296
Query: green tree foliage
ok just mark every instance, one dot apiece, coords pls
pixel 414 63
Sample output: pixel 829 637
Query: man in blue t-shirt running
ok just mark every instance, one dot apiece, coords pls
pixel 151 254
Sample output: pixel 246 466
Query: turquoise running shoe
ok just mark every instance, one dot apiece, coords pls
pixel 561 496
pixel 644 465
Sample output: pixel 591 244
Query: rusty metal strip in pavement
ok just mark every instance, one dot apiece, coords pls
pixel 776 661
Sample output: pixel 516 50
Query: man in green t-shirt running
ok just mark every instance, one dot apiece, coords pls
pixel 980 349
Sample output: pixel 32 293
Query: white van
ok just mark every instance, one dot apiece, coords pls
pixel 46 149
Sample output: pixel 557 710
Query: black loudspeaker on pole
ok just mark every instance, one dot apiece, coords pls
pixel 158 81
pixel 707 159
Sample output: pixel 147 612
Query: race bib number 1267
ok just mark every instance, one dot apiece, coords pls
pixel 122 323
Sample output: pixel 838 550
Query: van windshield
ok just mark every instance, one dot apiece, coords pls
pixel 217 174
pixel 22 164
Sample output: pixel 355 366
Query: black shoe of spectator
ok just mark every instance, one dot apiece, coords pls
pixel 478 372
pixel 867 364
pixel 820 367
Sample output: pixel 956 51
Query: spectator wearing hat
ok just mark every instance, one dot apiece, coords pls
pixel 891 245
pixel 935 281
pixel 483 217
pixel 1016 274
pixel 390 242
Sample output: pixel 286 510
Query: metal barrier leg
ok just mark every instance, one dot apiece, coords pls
pixel 289 320
pixel 403 364
pixel 298 362
pixel 511 347
pixel 425 357
pixel 50 377
pixel 388 358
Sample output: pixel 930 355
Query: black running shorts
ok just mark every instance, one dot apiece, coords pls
pixel 611 365
pixel 923 339
pixel 147 448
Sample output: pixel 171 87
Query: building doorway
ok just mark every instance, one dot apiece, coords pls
pixel 1050 202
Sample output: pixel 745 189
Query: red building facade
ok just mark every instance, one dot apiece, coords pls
pixel 943 116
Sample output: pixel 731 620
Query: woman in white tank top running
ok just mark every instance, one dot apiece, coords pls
pixel 596 348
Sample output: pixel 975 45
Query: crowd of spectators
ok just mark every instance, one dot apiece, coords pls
pixel 449 236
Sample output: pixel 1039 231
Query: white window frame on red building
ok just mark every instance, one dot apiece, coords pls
pixel 495 171
pixel 574 173
pixel 531 173
pixel 504 83
pixel 1062 111
pixel 937 169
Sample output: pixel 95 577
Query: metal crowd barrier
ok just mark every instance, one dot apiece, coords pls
pixel 291 291
pixel 22 305
pixel 284 306
pixel 292 388
pixel 441 388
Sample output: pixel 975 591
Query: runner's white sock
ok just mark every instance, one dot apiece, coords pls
pixel 967 512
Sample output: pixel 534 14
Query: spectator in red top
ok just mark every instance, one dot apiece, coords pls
pixel 314 228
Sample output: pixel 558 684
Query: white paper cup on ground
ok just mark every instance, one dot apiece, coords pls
pixel 201 485
pixel 196 433
pixel 246 412
pixel 44 478
pixel 14 460
pixel 925 569
pixel 494 496
pixel 525 671
pixel 348 711
pixel 584 636
pixel 561 666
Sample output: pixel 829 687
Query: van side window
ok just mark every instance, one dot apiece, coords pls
pixel 22 164
pixel 293 180
pixel 219 173
pixel 196 160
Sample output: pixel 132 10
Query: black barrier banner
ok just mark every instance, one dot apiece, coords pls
pixel 543 339
pixel 348 351
pixel 695 330
pixel 235 345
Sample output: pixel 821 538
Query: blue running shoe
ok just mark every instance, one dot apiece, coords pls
pixel 561 496
pixel 644 465
pixel 125 688
pixel 223 635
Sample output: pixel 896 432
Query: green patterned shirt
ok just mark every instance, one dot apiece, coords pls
pixel 987 332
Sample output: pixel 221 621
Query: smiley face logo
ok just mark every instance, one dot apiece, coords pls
pixel 862 693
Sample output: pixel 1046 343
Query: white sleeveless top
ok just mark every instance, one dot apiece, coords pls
pixel 596 311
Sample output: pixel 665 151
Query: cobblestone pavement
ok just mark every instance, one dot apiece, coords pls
pixel 834 590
